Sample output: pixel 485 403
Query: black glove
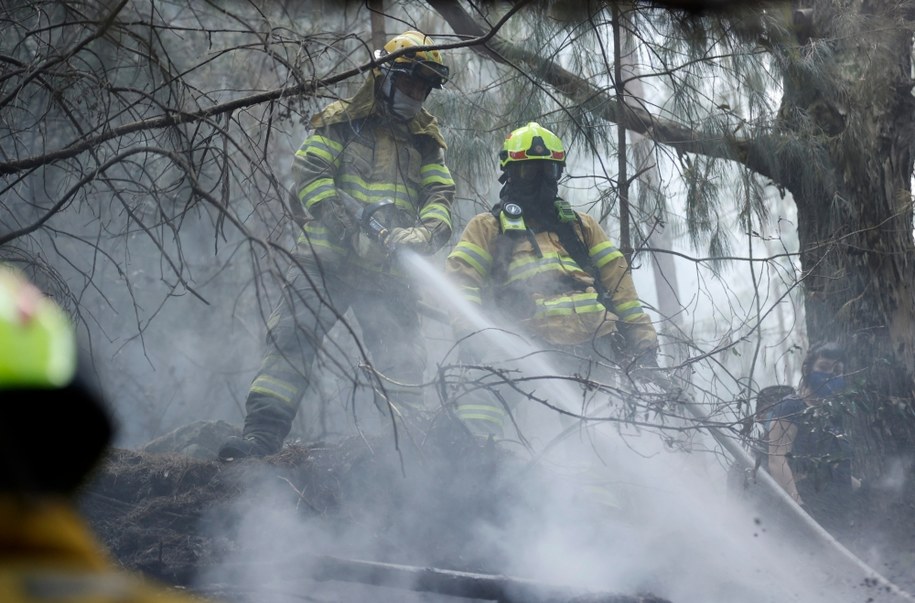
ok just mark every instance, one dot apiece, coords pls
pixel 340 223
pixel 645 369
pixel 647 359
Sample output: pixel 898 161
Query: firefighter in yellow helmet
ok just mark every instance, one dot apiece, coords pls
pixel 371 179
pixel 550 270
pixel 53 431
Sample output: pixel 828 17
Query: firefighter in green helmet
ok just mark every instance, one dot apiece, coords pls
pixel 537 264
pixel 54 430
pixel 376 152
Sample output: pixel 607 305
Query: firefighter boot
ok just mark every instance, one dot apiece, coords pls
pixel 266 426
pixel 243 447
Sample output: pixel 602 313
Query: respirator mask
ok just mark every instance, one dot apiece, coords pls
pixel 534 185
pixel 404 94
pixel 825 385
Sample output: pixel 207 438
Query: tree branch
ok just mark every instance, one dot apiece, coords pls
pixel 177 117
pixel 750 152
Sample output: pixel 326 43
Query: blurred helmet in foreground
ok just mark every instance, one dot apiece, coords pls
pixel 54 426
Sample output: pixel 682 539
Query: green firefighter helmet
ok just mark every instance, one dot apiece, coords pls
pixel 423 64
pixel 55 426
pixel 37 343
pixel 531 142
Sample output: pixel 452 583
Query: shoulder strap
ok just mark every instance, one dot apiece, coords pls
pixel 578 250
pixel 501 257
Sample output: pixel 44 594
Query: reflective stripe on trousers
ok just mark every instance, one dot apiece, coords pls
pixel 387 316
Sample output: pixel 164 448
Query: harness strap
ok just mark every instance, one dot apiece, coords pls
pixel 569 239
pixel 577 249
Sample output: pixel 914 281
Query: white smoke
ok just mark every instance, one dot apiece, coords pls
pixel 605 507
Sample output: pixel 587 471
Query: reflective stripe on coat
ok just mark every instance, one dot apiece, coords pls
pixel 554 297
pixel 373 158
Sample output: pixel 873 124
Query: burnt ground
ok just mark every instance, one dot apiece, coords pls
pixel 147 508
pixel 171 516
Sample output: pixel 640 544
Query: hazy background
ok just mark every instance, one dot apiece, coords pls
pixel 171 293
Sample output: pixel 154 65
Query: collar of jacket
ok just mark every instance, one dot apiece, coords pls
pixel 362 105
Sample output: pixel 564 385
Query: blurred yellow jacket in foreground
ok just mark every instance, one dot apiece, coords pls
pixel 47 553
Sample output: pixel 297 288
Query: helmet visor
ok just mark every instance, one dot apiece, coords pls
pixel 433 74
pixel 535 170
pixel 415 88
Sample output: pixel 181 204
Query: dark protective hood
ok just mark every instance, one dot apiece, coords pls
pixel 50 439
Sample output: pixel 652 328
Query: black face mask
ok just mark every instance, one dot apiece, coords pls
pixel 535 193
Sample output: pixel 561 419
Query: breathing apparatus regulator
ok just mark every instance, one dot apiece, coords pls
pixel 511 218
pixel 511 215
pixel 512 224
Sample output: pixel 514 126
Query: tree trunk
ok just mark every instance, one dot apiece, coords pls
pixel 855 209
pixel 379 36
pixel 652 202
